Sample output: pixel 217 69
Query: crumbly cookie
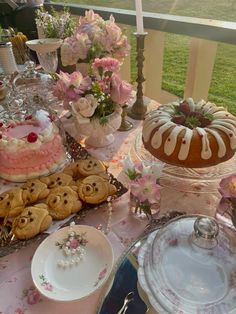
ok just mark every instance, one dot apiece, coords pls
pixel 32 221
pixel 95 189
pixel 58 179
pixel 91 166
pixel 73 170
pixel 12 202
pixel 62 202
pixel 86 167
pixel 37 190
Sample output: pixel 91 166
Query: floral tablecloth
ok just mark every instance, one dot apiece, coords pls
pixel 17 292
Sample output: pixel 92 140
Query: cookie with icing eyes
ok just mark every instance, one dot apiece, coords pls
pixel 73 170
pixel 62 202
pixel 95 189
pixel 32 221
pixel 91 166
pixel 37 190
pixel 58 179
pixel 12 202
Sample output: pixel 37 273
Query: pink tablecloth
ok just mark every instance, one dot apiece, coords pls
pixel 17 292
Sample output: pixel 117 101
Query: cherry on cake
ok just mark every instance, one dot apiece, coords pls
pixel 30 148
pixel 189 134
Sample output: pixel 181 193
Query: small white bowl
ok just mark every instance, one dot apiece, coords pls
pixel 74 282
pixel 44 45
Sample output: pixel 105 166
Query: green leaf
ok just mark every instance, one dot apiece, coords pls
pixel 132 174
pixel 192 122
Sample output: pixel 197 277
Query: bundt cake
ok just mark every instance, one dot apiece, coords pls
pixel 189 134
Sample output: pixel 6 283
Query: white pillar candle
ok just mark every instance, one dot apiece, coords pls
pixel 139 16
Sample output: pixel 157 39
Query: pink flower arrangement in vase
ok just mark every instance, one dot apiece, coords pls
pixel 95 95
pixel 96 99
pixel 144 191
pixel 226 210
pixel 94 38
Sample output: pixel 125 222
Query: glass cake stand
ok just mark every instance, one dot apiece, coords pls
pixel 186 189
pixel 195 180
pixel 32 138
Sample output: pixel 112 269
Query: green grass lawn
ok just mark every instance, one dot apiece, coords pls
pixel 223 85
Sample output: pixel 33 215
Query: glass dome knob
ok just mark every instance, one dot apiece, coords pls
pixel 205 233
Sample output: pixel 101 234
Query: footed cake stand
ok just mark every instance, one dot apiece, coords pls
pixel 193 190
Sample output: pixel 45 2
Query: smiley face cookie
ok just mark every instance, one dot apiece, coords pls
pixel 73 170
pixel 12 202
pixel 37 190
pixel 91 166
pixel 62 202
pixel 58 179
pixel 95 189
pixel 32 221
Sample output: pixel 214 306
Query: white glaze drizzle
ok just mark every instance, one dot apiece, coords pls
pixel 170 142
pixel 191 104
pixel 220 142
pixel 228 133
pixel 206 150
pixel 185 145
pixel 223 121
pixel 153 121
pixel 229 124
pixel 156 140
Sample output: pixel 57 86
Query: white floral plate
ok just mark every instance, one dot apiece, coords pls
pixel 61 277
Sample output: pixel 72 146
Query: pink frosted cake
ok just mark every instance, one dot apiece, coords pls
pixel 30 148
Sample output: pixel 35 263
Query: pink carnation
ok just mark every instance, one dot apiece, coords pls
pixel 107 64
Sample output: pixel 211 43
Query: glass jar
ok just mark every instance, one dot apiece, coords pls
pixel 7 59
pixel 142 210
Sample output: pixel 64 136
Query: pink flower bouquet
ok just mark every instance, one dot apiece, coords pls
pixel 144 190
pixel 95 95
pixel 93 38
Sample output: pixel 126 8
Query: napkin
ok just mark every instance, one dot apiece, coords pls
pixel 125 281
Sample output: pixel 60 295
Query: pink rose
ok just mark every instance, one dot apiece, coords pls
pixel 33 296
pixel 47 286
pixel 74 244
pixel 120 90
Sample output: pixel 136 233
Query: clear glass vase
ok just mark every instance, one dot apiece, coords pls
pixel 140 211
pixel 48 61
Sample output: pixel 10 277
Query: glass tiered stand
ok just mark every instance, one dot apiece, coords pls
pixel 190 190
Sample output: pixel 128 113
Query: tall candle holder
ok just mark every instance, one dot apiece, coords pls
pixel 125 124
pixel 139 109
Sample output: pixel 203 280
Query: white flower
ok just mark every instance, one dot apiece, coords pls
pixel 85 106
